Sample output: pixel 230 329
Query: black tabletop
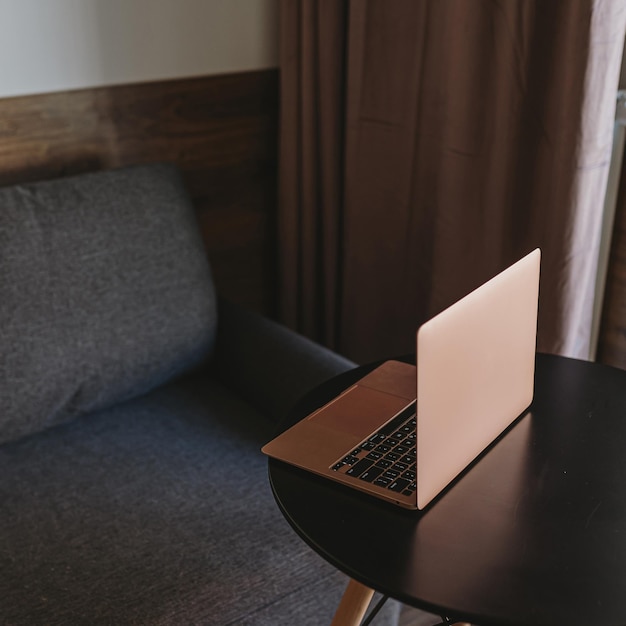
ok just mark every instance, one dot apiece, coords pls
pixel 533 533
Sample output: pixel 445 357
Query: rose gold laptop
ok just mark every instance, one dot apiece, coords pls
pixel 475 376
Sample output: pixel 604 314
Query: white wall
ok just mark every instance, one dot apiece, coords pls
pixel 54 45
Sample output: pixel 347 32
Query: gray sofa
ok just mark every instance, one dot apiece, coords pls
pixel 132 408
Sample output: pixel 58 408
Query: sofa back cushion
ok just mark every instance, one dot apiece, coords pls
pixel 105 293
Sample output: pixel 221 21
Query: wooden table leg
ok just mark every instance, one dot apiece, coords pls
pixel 354 603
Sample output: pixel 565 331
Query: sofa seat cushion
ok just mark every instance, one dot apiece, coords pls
pixel 157 511
pixel 106 293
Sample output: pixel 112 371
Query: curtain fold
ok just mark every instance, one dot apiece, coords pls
pixel 427 144
pixel 310 214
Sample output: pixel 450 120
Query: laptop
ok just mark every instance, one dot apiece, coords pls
pixel 403 433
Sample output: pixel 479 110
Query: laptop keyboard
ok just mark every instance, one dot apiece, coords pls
pixel 388 457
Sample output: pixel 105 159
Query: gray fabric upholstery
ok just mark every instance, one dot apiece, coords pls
pixel 157 511
pixel 127 497
pixel 105 292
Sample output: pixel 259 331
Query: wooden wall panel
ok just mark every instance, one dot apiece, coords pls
pixel 220 130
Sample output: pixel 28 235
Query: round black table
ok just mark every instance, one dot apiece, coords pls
pixel 533 533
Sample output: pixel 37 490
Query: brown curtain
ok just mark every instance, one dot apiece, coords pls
pixel 427 144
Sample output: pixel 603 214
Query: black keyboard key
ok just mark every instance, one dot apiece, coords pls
pixel 384 463
pixel 407 492
pixel 409 460
pixel 358 468
pixel 409 475
pixel 398 485
pixel 400 467
pixel 390 444
pixel 377 438
pixel 382 482
pixel 370 474
pixel 391 474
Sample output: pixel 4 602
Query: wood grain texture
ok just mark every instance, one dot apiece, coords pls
pixel 220 130
pixel 353 605
pixel 612 337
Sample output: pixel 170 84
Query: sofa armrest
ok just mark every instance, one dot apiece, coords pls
pixel 268 364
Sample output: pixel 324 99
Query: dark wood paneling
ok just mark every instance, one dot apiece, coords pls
pixel 612 338
pixel 220 130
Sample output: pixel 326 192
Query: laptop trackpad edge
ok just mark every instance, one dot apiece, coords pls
pixel 359 411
